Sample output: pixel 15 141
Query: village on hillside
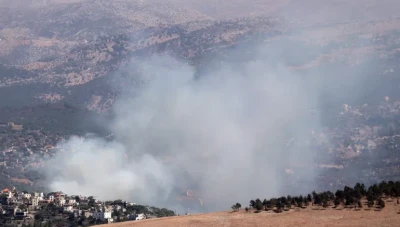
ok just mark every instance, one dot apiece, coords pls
pixel 21 208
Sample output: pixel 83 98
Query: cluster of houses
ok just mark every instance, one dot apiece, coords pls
pixel 20 205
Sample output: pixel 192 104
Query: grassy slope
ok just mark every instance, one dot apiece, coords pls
pixel 307 217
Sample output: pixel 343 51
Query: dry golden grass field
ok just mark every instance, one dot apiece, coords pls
pixel 331 217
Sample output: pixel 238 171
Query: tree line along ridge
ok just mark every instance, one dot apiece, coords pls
pixel 350 197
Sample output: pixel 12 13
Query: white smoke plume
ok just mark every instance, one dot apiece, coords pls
pixel 238 133
pixel 226 134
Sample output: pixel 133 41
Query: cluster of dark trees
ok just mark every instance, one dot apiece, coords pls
pixel 236 206
pixel 348 197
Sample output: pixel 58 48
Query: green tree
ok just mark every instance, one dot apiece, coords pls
pixel 283 200
pixel 265 203
pixel 325 203
pixel 92 201
pixel 371 196
pixel 279 205
pixel 375 190
pixel 236 206
pixel 299 203
pixel 309 198
pixel 349 200
pixel 252 203
pixel 294 200
pixel 339 194
pixel 289 198
pixel 258 205
pixel 317 199
pixel 361 188
pixel 269 204
pixel 337 201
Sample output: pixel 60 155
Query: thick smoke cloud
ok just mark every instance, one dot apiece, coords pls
pixel 241 131
pixel 232 134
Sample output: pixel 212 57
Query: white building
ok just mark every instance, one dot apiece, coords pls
pixel 71 201
pixel 61 201
pixel 77 212
pixel 35 201
pixel 102 215
pixel 140 217
pixel 27 195
pixel 20 195
pixel 68 208
pixel 88 214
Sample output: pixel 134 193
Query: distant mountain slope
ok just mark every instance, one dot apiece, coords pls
pixel 66 51
pixel 91 14
pixel 224 10
pixel 315 10
pixel 339 10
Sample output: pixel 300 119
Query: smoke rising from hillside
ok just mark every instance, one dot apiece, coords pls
pixel 241 130
pixel 236 132
pixel 231 134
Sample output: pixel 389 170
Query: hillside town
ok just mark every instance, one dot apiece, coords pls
pixel 21 208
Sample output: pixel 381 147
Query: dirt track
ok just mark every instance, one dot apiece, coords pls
pixel 308 217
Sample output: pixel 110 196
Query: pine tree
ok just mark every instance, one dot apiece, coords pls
pixel 337 201
pixel 259 205
pixel 309 198
pixel 252 204
pixel 265 203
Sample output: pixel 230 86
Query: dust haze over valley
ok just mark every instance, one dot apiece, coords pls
pixel 233 108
